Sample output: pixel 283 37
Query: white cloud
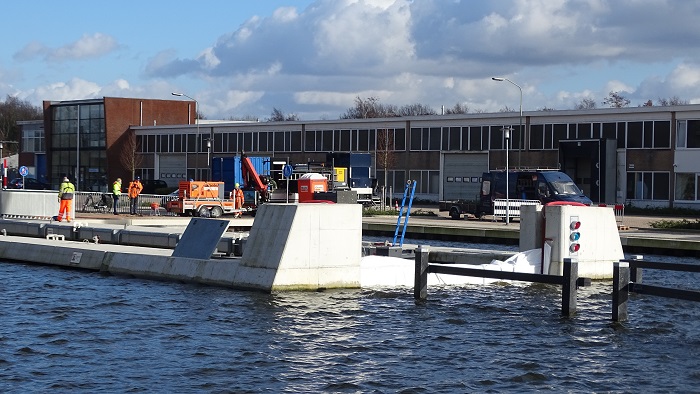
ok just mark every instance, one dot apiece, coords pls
pixel 88 46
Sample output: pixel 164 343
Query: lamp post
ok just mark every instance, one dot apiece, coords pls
pixel 520 130
pixel 196 116
pixel 506 136
pixel 208 155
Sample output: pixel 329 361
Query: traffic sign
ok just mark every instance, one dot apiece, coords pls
pixel 24 171
pixel 287 170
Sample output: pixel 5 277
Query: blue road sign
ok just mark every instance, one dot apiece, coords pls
pixel 287 170
pixel 24 171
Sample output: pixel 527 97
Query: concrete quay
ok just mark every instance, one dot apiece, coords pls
pixel 640 237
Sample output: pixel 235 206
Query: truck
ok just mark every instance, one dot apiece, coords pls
pixel 211 199
pixel 543 185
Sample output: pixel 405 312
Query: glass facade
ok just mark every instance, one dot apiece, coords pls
pixel 78 145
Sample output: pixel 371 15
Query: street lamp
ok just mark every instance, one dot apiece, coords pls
pixel 196 116
pixel 520 131
pixel 208 154
pixel 506 136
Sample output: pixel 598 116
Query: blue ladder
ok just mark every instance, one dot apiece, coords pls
pixel 410 185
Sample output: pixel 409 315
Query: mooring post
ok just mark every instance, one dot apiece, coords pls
pixel 636 273
pixel 568 290
pixel 420 285
pixel 620 295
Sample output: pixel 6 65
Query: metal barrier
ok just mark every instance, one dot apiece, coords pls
pixel 569 281
pixel 93 202
pixel 627 278
pixel 499 207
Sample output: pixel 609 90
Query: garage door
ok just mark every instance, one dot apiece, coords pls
pixel 461 175
pixel 172 169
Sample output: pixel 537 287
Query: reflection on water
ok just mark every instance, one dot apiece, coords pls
pixel 66 330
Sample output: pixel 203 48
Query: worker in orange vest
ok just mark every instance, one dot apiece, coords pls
pixel 135 188
pixel 238 199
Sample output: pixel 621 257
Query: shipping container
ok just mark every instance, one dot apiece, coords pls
pixel 228 169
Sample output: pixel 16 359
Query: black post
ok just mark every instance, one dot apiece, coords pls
pixel 420 285
pixel 620 295
pixel 568 290
pixel 636 273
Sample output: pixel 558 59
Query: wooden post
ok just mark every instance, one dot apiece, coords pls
pixel 620 295
pixel 568 290
pixel 420 285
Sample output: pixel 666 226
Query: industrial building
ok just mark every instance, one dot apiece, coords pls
pixel 644 156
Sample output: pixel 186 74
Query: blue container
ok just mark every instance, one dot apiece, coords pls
pixel 228 169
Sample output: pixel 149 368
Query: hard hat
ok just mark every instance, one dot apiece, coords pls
pixel 119 179
pixel 138 178
pixel 65 179
pixel 237 185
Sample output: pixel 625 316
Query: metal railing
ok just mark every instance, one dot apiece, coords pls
pixel 499 207
pixel 96 202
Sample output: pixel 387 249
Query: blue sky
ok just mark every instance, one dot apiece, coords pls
pixel 314 57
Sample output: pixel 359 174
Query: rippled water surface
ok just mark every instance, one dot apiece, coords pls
pixel 76 331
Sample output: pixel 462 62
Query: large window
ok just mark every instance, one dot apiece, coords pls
pixel 648 134
pixel 687 187
pixel 78 145
pixel 688 134
pixel 427 181
pixel 648 185
pixel 33 138
pixel 426 138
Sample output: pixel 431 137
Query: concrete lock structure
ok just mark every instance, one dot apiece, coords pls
pixel 585 234
pixel 290 247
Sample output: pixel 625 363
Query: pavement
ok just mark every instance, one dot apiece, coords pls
pixel 419 214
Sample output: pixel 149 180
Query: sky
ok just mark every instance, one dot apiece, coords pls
pixel 314 58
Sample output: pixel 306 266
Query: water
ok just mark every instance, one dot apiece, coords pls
pixel 76 331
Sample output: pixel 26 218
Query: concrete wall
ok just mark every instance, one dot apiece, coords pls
pixel 30 203
pixel 305 246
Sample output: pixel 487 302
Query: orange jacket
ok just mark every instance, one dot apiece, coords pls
pixel 135 188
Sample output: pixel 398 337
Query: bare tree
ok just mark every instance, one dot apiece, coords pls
pixel 11 111
pixel 369 108
pixel 459 108
pixel 586 103
pixel 130 158
pixel 675 100
pixel 279 116
pixel 506 109
pixel 616 100
pixel 546 109
pixel 384 152
pixel 416 110
pixel 244 118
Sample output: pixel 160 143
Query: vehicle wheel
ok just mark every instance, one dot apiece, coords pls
pixel 454 213
pixel 216 212
pixel 203 212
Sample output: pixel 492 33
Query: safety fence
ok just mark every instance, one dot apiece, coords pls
pixel 627 278
pixel 95 202
pixel 512 207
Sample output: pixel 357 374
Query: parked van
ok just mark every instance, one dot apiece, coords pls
pixel 543 185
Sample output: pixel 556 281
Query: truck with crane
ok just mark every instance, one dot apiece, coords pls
pixel 210 199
